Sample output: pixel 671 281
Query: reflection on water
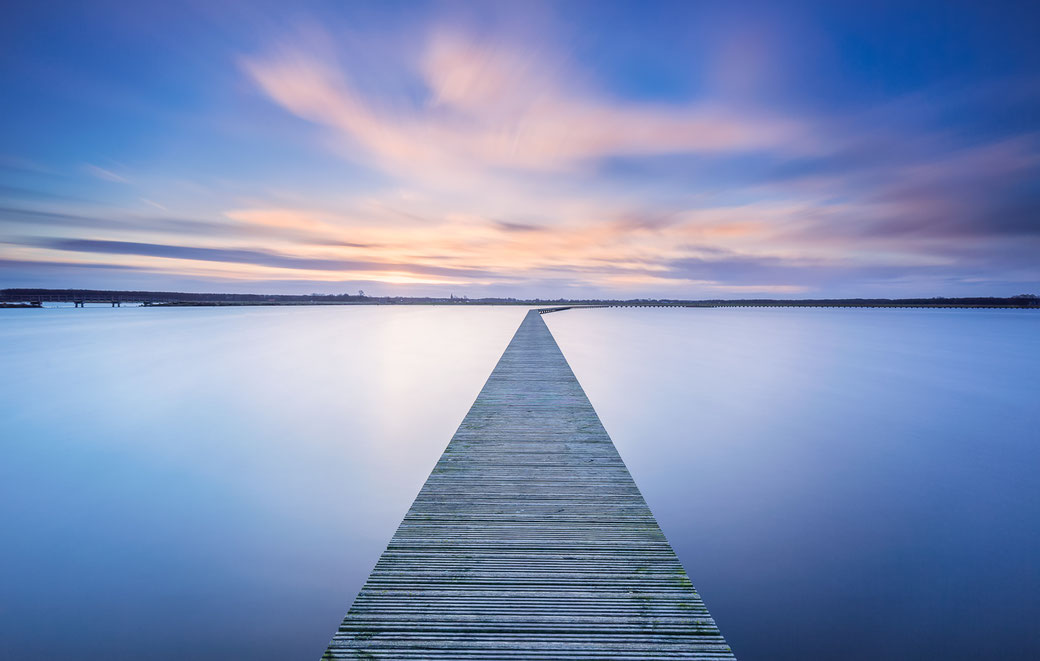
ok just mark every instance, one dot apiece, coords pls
pixel 204 483
pixel 217 483
pixel 840 484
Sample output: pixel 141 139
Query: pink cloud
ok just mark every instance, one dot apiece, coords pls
pixel 490 105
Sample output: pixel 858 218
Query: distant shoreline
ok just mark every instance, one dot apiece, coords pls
pixel 35 298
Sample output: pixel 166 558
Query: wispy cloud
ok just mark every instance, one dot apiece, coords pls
pixel 153 203
pixel 106 175
pixel 436 151
pixel 487 104
pixel 252 257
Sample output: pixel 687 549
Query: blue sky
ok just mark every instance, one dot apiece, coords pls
pixel 565 149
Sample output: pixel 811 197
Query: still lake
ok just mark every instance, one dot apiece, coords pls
pixel 216 483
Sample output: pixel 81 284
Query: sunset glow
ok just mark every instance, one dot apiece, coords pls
pixel 518 149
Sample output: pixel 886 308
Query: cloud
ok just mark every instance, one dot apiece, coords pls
pixel 102 173
pixel 19 265
pixel 251 257
pixel 493 159
pixel 934 201
pixel 153 203
pixel 516 227
pixel 241 225
pixel 489 105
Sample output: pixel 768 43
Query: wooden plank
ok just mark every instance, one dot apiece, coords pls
pixel 529 540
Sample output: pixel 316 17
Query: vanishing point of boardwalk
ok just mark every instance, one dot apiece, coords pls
pixel 529 540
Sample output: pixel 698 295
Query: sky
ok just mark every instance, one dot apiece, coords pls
pixel 568 149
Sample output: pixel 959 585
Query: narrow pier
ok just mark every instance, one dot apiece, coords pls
pixel 529 540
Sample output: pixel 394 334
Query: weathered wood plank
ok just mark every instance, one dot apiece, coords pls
pixel 529 540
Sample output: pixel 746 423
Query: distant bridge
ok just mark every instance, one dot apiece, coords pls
pixel 1026 304
pixel 80 300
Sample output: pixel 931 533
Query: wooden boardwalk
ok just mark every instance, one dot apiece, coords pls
pixel 529 540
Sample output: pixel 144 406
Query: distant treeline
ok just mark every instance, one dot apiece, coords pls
pixel 38 296
pixel 103 295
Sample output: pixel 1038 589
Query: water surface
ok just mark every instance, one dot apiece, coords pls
pixel 216 483
pixel 839 483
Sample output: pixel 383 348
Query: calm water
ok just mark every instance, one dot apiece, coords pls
pixel 217 483
pixel 840 484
